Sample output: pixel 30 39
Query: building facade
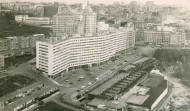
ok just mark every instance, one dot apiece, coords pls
pixel 1 44
pixel 54 58
pixel 23 42
pixel 1 61
pixel 64 23
pixel 34 38
pixel 33 20
pixel 11 43
pixel 90 23
pixel 102 26
pixel 130 33
pixel 20 42
pixel 157 37
pixel 165 37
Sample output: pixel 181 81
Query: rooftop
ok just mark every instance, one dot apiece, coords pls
pixel 137 99
pixel 111 104
pixel 153 81
pixel 108 84
pixel 141 60
pixel 27 98
pixel 128 67
pixel 24 89
pixel 143 94
pixel 58 41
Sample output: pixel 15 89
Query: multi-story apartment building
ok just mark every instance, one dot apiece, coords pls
pixel 157 37
pixel 102 26
pixel 65 23
pixel 165 37
pixel 34 38
pixel 178 38
pixel 23 42
pixel 130 33
pixel 10 43
pixel 33 20
pixel 90 22
pixel 70 23
pixel 54 58
pixel 1 61
pixel 131 36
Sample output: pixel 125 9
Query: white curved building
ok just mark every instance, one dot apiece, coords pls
pixel 56 57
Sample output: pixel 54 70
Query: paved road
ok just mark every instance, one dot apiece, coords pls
pixel 27 69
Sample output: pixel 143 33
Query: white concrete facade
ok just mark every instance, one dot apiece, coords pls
pixel 33 20
pixel 90 23
pixel 54 58
pixel 102 26
pixel 164 93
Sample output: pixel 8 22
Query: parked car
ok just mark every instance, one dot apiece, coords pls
pixel 82 87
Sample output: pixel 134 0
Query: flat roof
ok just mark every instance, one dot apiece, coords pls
pixel 111 104
pixel 153 81
pixel 128 67
pixel 141 60
pixel 22 90
pixel 154 93
pixel 27 98
pixel 108 84
pixel 137 99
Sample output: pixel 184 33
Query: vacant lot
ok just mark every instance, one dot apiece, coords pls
pixel 52 106
pixel 12 83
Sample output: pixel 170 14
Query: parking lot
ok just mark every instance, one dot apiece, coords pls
pixel 82 78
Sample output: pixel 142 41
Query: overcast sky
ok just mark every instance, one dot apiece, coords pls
pixel 157 2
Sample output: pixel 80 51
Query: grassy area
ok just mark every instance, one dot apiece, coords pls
pixel 8 27
pixel 52 106
pixel 16 60
pixel 12 83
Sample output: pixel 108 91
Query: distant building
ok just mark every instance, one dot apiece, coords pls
pixel 20 18
pixel 64 24
pixel 90 23
pixel 139 37
pixel 150 5
pixel 89 19
pixel 20 42
pixel 131 36
pixel 34 38
pixel 130 33
pixel 23 42
pixel 33 20
pixel 167 36
pixel 102 26
pixel 1 44
pixel 185 26
pixel 169 19
pixel 2 106
pixel 71 22
pixel 1 65
pixel 56 57
pixel 178 38
pixel 11 43
pixel 157 37
pixel 50 11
